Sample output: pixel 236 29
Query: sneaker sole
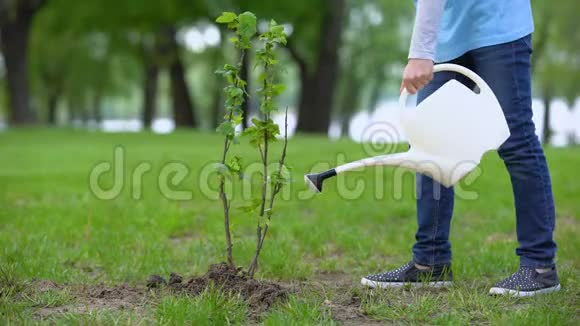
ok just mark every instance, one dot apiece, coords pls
pixel 502 291
pixel 385 285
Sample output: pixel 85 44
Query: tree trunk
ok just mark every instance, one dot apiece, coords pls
pixel 52 108
pixel 96 106
pixel 546 131
pixel 14 34
pixel 150 81
pixel 317 92
pixel 245 75
pixel 183 110
pixel 345 125
pixel 307 108
pixel 84 114
pixel 77 110
pixel 375 97
pixel 182 105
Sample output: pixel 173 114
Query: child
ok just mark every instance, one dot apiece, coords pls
pixel 492 38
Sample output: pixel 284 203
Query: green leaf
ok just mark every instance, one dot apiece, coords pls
pixel 233 91
pixel 254 134
pixel 277 30
pixel 273 130
pixel 226 18
pixel 230 67
pixel 278 89
pixel 237 119
pixel 235 164
pixel 262 77
pixel 227 129
pixel 248 27
pixel 252 206
pixel 221 72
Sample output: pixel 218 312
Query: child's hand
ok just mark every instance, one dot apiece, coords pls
pixel 417 74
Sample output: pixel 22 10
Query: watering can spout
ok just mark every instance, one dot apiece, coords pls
pixel 316 180
pixel 448 132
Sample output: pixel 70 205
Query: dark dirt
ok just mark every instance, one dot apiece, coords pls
pixel 340 290
pixel 156 281
pixel 94 298
pixel 260 295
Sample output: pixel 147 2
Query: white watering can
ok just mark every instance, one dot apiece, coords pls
pixel 448 132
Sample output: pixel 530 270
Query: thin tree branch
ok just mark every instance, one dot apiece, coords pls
pixel 225 202
pixel 277 187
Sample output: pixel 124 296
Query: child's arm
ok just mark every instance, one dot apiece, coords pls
pixel 419 70
pixel 427 24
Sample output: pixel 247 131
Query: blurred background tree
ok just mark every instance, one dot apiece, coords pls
pixel 16 18
pixel 369 53
pixel 556 60
pixel 66 62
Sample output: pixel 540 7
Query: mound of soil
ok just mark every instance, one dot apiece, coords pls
pixel 260 295
pixel 343 299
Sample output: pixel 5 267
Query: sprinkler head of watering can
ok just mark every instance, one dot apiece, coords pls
pixel 314 181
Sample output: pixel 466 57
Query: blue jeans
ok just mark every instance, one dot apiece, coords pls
pixel 506 68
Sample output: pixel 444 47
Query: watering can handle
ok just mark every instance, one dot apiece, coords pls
pixel 483 87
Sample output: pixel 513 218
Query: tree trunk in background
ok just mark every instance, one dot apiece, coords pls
pixel 345 125
pixel 316 99
pixel 181 100
pixel 150 82
pixel 77 111
pixel 96 106
pixel 71 113
pixel 245 75
pixel 52 106
pixel 83 114
pixel 14 34
pixel 375 98
pixel 55 86
pixel 546 131
pixel 307 110
pixel 183 110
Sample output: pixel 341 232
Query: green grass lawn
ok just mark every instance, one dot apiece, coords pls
pixel 52 227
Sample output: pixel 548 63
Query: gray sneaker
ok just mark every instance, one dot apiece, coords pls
pixel 526 282
pixel 409 275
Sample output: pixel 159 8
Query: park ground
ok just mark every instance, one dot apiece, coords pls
pixel 68 256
